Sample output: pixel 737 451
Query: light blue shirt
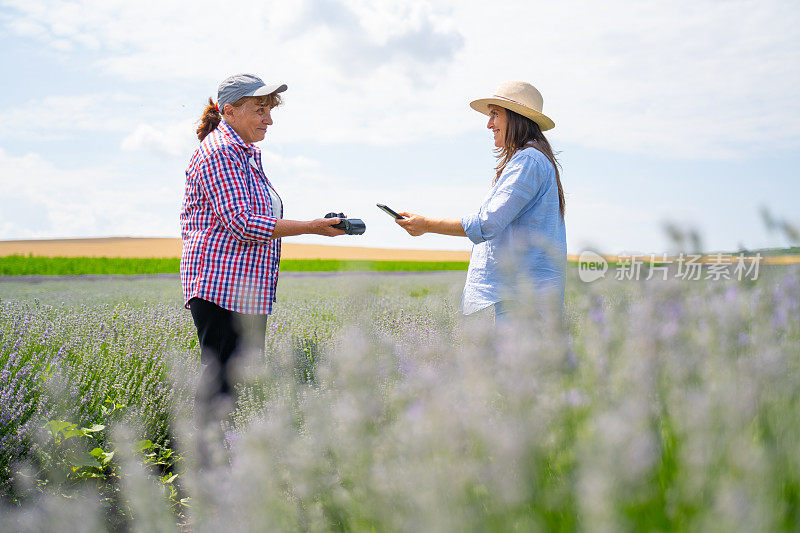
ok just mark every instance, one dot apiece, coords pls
pixel 518 223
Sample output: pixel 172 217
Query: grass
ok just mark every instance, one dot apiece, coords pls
pixel 31 265
pixel 371 266
pixel 21 265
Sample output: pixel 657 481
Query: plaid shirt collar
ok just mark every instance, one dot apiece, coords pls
pixel 225 129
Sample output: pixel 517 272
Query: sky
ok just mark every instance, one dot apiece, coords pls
pixel 682 112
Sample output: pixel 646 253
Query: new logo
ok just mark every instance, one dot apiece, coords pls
pixel 591 266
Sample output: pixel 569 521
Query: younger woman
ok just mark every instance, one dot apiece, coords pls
pixel 522 216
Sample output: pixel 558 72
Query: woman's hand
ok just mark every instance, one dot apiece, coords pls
pixel 415 225
pixel 323 226
pixel 320 226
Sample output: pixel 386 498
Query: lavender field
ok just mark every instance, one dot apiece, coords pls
pixel 656 405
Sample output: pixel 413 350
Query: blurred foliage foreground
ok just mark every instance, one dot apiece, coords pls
pixel 657 405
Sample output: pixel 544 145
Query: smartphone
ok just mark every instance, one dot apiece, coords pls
pixel 390 211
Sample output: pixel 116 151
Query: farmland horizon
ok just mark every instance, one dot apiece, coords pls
pixel 134 246
pixel 126 246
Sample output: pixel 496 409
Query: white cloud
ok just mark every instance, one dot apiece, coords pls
pixel 677 79
pixel 600 224
pixel 60 117
pixel 674 79
pixel 42 200
pixel 274 161
pixel 173 139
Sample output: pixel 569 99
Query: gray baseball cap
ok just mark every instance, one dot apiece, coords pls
pixel 235 87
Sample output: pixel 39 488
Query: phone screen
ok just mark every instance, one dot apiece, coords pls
pixel 389 211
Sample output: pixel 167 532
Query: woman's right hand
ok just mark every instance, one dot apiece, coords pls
pixel 415 225
pixel 320 226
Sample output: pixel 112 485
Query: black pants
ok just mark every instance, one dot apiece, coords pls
pixel 223 336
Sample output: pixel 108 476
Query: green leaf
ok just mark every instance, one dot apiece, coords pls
pixel 143 445
pixel 168 478
pixel 75 432
pixel 97 452
pixel 89 474
pixel 85 460
pixel 95 428
pixel 57 426
pixel 103 456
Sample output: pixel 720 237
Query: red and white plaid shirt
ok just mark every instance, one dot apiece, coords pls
pixel 227 221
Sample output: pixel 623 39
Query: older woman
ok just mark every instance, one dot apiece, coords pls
pixel 231 224
pixel 522 216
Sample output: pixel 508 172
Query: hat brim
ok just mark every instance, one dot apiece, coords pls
pixel 269 89
pixel 482 106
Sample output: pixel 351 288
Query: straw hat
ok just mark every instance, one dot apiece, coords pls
pixel 520 97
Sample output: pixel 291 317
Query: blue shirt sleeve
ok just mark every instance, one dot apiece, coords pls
pixel 519 185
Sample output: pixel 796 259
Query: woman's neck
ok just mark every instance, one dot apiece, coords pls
pixel 234 128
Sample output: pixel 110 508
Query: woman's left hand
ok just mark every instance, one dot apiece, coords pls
pixel 415 225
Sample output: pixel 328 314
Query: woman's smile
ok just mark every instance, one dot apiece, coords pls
pixel 497 123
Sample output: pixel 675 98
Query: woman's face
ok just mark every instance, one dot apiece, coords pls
pixel 497 123
pixel 249 120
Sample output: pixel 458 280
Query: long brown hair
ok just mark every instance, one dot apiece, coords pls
pixel 521 131
pixel 211 115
